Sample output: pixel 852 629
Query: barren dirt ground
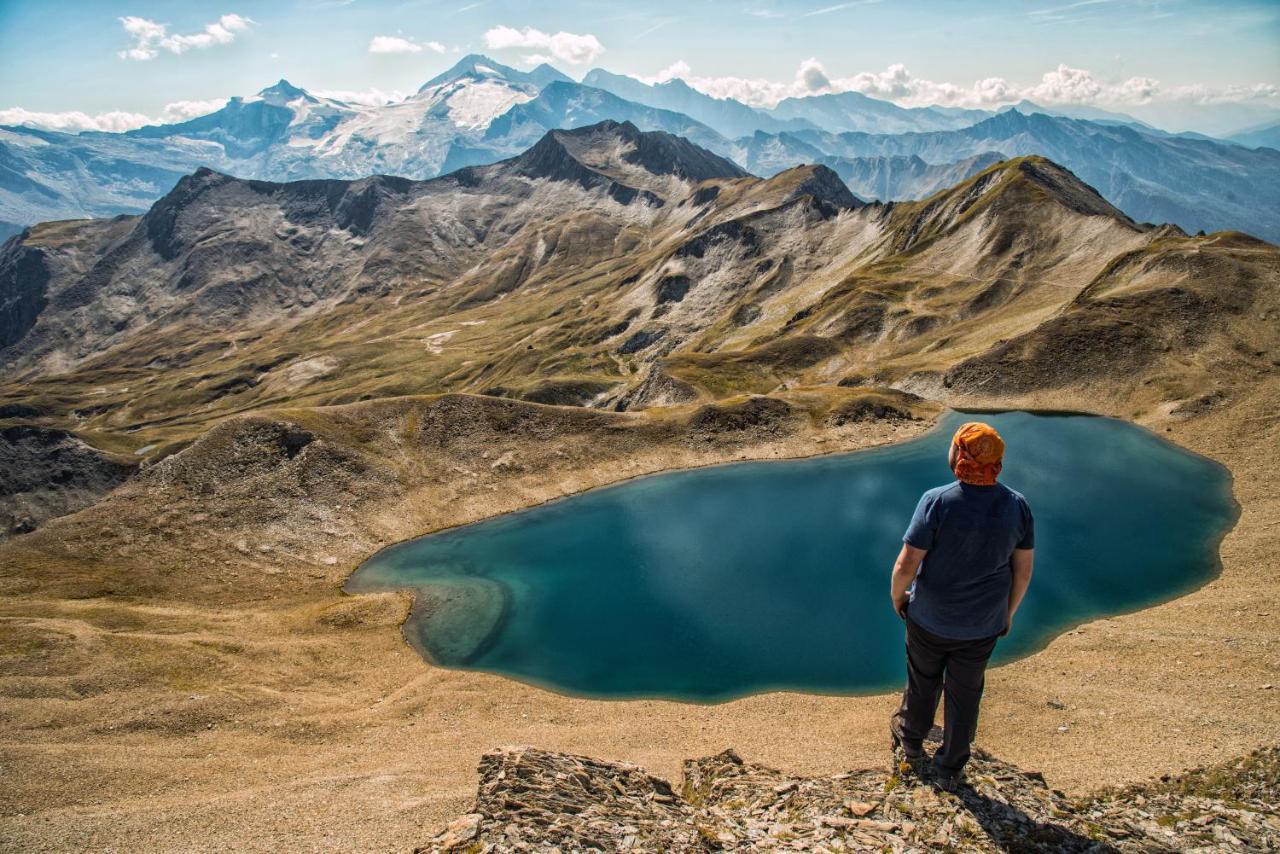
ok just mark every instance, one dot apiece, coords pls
pixel 189 686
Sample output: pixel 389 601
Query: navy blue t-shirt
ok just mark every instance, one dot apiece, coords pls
pixel 970 532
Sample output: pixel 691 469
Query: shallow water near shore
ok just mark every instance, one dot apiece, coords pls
pixel 713 583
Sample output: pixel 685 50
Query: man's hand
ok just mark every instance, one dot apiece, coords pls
pixel 1008 625
pixel 904 572
pixel 900 604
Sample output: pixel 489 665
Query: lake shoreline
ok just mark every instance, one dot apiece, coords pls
pixel 835 513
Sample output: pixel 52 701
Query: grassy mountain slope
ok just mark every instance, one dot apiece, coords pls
pixel 604 267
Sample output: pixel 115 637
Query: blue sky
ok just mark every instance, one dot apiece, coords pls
pixel 1182 59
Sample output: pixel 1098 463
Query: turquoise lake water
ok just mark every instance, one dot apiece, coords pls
pixel 713 583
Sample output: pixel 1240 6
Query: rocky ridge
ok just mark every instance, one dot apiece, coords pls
pixel 1199 184
pixel 537 800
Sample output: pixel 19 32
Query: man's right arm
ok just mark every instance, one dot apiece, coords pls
pixel 904 572
pixel 1021 564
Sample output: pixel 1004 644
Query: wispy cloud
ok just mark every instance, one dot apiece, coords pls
pixel 827 10
pixel 150 37
pixel 1059 12
pixel 655 27
pixel 399 44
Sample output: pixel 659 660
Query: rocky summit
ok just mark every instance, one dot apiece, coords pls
pixel 537 800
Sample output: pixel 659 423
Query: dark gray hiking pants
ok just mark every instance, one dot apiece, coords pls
pixel 953 668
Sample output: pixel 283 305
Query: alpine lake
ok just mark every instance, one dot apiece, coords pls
pixel 708 584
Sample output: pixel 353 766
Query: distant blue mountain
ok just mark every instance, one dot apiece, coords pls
pixel 1078 111
pixel 899 177
pixel 846 111
pixel 570 105
pixel 852 111
pixel 1265 135
pixel 725 115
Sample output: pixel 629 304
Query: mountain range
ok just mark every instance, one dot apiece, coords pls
pixel 606 267
pixel 481 111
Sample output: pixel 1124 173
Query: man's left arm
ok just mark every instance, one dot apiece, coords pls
pixel 904 572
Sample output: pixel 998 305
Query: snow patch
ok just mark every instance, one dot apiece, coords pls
pixel 476 104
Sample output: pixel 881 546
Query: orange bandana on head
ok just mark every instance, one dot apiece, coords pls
pixel 979 452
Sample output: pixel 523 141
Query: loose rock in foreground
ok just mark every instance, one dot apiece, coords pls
pixel 536 800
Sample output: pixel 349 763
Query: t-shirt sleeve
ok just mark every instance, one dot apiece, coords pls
pixel 923 527
pixel 1028 540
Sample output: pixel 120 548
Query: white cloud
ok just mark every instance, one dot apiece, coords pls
pixel 373 97
pixel 757 92
pixel 150 37
pixel 812 76
pixel 180 111
pixel 679 68
pixel 1138 90
pixel 570 48
pixel 397 44
pixel 1061 85
pixel 73 121
pixel 114 121
pixel 1066 85
pixel 1198 94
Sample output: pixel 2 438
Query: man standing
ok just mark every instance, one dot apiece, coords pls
pixel 968 550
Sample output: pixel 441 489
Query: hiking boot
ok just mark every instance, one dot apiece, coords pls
pixel 912 751
pixel 947 781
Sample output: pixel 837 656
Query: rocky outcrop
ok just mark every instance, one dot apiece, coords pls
pixel 24 279
pixel 46 473
pixel 535 800
pixel 658 389
pixel 667 154
pixel 824 185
